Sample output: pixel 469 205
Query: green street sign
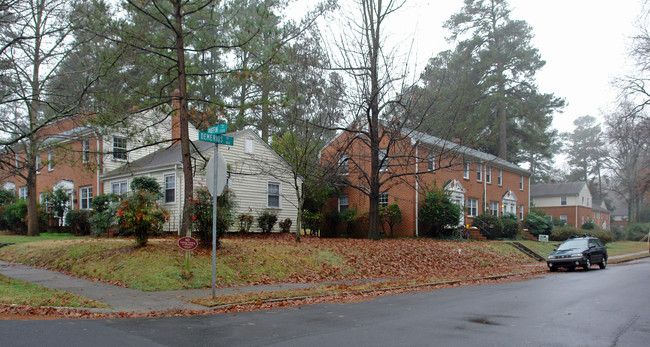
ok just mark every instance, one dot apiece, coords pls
pixel 214 138
pixel 217 129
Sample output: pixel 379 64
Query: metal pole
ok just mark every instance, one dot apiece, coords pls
pixel 214 219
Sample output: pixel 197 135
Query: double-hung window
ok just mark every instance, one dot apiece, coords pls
pixel 118 188
pixel 488 175
pixel 494 208
pixel 479 172
pixel 500 177
pixel 383 160
pixel 273 194
pixel 22 193
pixel 85 151
pixel 472 207
pixel 521 212
pixel 38 162
pixel 170 188
pixel 50 160
pixel 521 182
pixel 431 161
pixel 466 170
pixel 563 201
pixel 120 148
pixel 344 203
pixel 383 199
pixel 85 197
pixel 344 164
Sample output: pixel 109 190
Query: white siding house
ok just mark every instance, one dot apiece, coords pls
pixel 257 176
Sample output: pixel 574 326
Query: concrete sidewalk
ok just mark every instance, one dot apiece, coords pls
pixel 126 299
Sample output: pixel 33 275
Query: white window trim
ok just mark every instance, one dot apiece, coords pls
pixel 431 161
pixel 344 164
pixel 488 175
pixel 383 161
pixel 89 198
pixel 38 163
pixel 497 208
pixel 521 182
pixel 471 206
pixel 249 145
pixel 564 201
pixel 279 194
pixel 50 160
pixel 479 172
pixel 85 151
pixel 466 170
pixel 125 182
pixel 126 149
pixel 500 178
pixel 20 192
pixel 173 175
pixel 381 196
pixel 339 202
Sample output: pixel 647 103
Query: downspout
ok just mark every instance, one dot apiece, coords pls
pixel 484 168
pixel 417 194
pixel 577 195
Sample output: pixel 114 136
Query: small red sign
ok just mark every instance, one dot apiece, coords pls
pixel 187 243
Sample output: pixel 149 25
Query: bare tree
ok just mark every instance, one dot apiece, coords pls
pixel 34 41
pixel 379 145
pixel 629 151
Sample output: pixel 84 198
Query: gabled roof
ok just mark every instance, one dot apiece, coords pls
pixel 556 189
pixel 597 205
pixel 167 157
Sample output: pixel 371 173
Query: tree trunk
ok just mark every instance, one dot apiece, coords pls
pixel 33 107
pixel 183 113
pixel 373 126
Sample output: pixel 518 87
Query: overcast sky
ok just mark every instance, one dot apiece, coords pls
pixel 584 44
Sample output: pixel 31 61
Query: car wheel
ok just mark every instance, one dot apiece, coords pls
pixel 552 269
pixel 587 266
pixel 603 264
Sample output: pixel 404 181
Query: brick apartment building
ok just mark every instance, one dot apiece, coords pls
pixel 73 155
pixel 477 181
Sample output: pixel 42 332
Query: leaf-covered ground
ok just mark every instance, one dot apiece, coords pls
pixel 271 259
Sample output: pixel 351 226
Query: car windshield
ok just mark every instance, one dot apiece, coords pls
pixel 573 244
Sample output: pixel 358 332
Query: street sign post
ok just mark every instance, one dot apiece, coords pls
pixel 215 138
pixel 213 135
pixel 217 129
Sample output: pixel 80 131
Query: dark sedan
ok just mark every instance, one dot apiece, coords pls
pixel 578 251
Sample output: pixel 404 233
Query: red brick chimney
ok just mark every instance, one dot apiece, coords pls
pixel 176 119
pixel 552 181
pixel 457 140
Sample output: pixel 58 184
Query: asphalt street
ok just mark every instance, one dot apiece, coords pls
pixel 608 307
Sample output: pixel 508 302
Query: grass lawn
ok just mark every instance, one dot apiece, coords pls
pixel 6 237
pixel 17 292
pixel 623 247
